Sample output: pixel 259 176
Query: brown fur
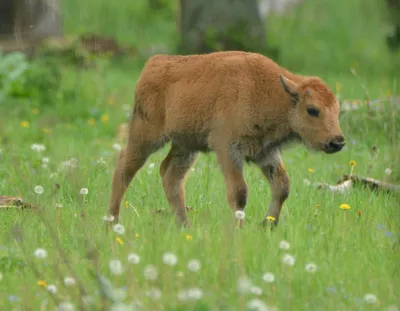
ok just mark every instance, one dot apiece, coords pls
pixel 242 106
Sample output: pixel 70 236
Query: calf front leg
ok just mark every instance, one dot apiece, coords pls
pixel 273 170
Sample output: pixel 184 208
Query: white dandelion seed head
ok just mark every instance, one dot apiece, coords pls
pixel 38 147
pixel 133 258
pixel 119 294
pixel 117 147
pixel 268 277
pixel 311 267
pixel 119 306
pixel 244 284
pixel 119 229
pixel 255 290
pixel 45 160
pixel 257 305
pixel 150 272
pixel 240 214
pixel 182 295
pixel 306 182
pixel 40 253
pixel 370 298
pixel 288 259
pixel 115 266
pixel 44 165
pixel 38 189
pixel 84 191
pixel 59 205
pixel 52 288
pixel 170 259
pixel 65 306
pixel 388 171
pixel 284 245
pixel 69 281
pixel 151 165
pixel 194 265
pixel 194 293
pixel 154 293
pixel 109 218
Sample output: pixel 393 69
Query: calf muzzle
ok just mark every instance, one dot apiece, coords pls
pixel 335 145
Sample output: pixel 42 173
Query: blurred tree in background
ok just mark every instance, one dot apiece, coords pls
pixel 393 40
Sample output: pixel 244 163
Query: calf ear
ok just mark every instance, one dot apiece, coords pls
pixel 290 87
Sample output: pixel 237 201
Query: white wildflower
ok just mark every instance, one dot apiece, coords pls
pixel 311 267
pixel 269 277
pixel 40 253
pixel 151 165
pixel 194 293
pixel 59 205
pixel 109 218
pixel 69 281
pixel 194 265
pixel 119 294
pixel 170 259
pixel 150 272
pixel 255 290
pixel 101 161
pixel 39 189
pixel 154 293
pixel 388 171
pixel 52 288
pixel 84 191
pixel 370 298
pixel 239 214
pixel 118 228
pixel 119 306
pixel 288 259
pixel 117 147
pixel 244 284
pixel 66 306
pixel 115 266
pixel 38 147
pixel 183 295
pixel 284 245
pixel 306 182
pixel 257 305
pixel 133 258
pixel 45 160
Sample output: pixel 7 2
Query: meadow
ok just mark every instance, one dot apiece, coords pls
pixel 321 257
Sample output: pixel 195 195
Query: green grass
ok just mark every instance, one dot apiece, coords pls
pixel 355 255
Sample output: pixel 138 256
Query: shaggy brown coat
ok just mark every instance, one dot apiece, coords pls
pixel 242 106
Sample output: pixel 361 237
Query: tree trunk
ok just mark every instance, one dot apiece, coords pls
pixel 393 40
pixel 210 25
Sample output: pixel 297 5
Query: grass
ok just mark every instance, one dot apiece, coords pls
pixel 355 254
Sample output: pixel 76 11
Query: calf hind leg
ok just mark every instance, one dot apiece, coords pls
pixel 173 171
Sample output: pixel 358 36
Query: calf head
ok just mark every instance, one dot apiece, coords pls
pixel 315 114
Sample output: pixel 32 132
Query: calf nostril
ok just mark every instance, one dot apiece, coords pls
pixel 335 145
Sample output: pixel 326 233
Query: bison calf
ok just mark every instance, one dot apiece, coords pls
pixel 242 106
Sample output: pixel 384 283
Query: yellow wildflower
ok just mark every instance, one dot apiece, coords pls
pixel 338 87
pixel 126 204
pixel 189 237
pixel 345 206
pixel 310 170
pixel 270 218
pixel 105 118
pixel 24 123
pixel 35 110
pixel 317 205
pixel 137 235
pixel 353 163
pixel 119 240
pixel 42 283
pixel 91 121
pixel 46 130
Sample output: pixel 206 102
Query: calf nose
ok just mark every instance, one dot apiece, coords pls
pixel 336 144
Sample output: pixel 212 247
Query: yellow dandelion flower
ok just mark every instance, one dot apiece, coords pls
pixel 126 204
pixel 353 163
pixel 68 126
pixel 345 206
pixel 46 130
pixel 137 235
pixel 188 237
pixel 270 218
pixel 317 205
pixel 42 283
pixel 105 118
pixel 119 240
pixel 35 110
pixel 24 124
pixel 310 170
pixel 91 121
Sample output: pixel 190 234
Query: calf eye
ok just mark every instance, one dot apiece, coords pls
pixel 313 112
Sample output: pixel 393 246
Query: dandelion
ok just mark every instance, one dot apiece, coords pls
pixel 151 165
pixel 119 240
pixel 119 229
pixel 370 298
pixel 109 218
pixel 353 163
pixel 119 294
pixel 194 265
pixel 311 267
pixel 310 170
pixel 170 259
pixel 105 118
pixel 194 293
pixel 345 206
pixel 91 121
pixel 24 124
pixel 84 191
pixel 270 218
pixel 288 259
pixel 133 258
pixel 52 288
pixel 150 272
pixel 59 205
pixel 42 283
pixel 239 214
pixel 244 284
pixel 255 290
pixel 39 190
pixel 188 237
pixel 45 130
pixel 115 266
pixel 388 171
pixel 257 305
pixel 101 161
pixel 38 147
pixel 40 253
pixel 154 293
pixel 66 306
pixel 45 160
pixel 116 147
pixel 268 277
pixel 69 281
pixel 284 245
pixel 137 235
